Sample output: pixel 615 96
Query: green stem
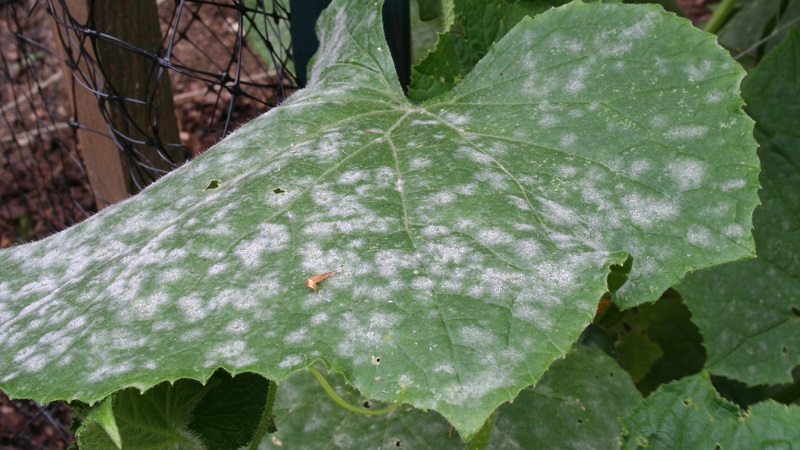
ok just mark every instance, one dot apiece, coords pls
pixel 720 16
pixel 266 419
pixel 333 395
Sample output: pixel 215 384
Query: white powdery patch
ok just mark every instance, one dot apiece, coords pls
pixel 494 236
pixel 353 177
pixel 359 335
pixel 455 119
pixel 698 235
pixel 146 308
pixel 237 326
pixel 441 198
pixel 646 210
pixel 319 318
pixel 449 251
pixel 549 121
pixel 640 29
pixel 475 155
pixel 192 307
pixel 714 97
pixel 389 262
pixel 732 185
pixel 217 268
pixel 232 352
pixel 270 238
pixel 475 387
pixel 104 372
pixel 497 180
pixel 419 163
pixel 296 337
pixel 697 73
pixel 558 213
pixel 733 231
pixel 519 202
pixel 568 139
pixel 435 230
pixel 533 314
pixel 527 249
pixel 476 337
pixel 497 283
pixel 687 132
pixel 554 275
pixel 422 283
pixel 425 122
pixel 575 83
pixel 687 173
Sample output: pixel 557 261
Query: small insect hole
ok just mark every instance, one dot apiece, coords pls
pixel 796 311
pixel 397 443
pixel 626 326
pixel 580 420
pixel 213 184
pixel 367 404
pixel 687 403
pixel 278 191
pixel 784 350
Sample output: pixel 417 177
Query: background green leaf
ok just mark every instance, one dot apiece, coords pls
pixel 472 236
pixel 759 25
pixel 749 312
pixel 690 414
pixel 656 343
pixel 478 24
pixel 574 405
pixel 223 414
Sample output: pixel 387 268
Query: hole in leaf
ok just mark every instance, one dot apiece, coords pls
pixel 278 191
pixel 397 443
pixel 367 404
pixel 795 311
pixel 687 402
pixel 784 350
pixel 213 184
pixel 611 374
pixel 580 420
pixel 618 274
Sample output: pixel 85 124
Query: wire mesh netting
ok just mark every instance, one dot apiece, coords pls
pixel 143 84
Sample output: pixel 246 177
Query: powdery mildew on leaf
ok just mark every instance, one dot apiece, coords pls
pixel 471 236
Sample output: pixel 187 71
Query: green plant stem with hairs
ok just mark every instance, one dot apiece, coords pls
pixel 370 412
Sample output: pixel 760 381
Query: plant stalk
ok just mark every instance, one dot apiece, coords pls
pixel 266 418
pixel 719 17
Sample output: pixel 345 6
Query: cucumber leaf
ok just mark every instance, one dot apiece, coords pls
pixel 469 237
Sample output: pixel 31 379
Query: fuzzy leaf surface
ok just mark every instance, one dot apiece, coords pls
pixel 748 312
pixel 471 235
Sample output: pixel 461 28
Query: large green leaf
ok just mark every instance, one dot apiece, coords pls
pixel 472 235
pixel 748 312
pixel 690 414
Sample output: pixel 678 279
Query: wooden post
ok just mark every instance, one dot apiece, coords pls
pixel 125 75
